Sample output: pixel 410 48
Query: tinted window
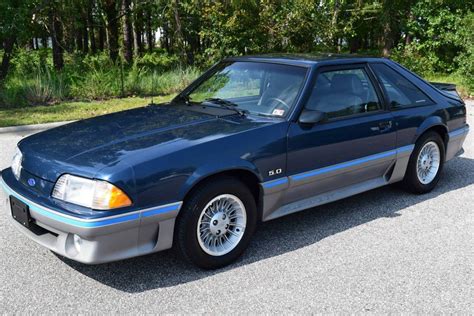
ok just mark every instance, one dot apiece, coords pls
pixel 401 92
pixel 343 92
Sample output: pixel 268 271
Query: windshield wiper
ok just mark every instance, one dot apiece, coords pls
pixel 184 98
pixel 229 105
pixel 267 115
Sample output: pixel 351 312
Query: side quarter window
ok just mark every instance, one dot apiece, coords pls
pixel 341 93
pixel 401 93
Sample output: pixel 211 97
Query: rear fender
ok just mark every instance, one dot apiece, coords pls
pixel 430 122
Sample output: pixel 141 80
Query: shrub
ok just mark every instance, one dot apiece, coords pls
pixel 87 77
pixel 410 57
pixel 159 62
pixel 45 87
pixel 25 62
pixel 465 60
pixel 96 83
pixel 41 86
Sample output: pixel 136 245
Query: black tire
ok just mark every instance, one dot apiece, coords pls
pixel 411 182
pixel 186 240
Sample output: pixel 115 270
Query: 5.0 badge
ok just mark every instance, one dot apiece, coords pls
pixel 275 172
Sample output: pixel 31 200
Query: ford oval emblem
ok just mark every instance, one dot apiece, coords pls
pixel 31 182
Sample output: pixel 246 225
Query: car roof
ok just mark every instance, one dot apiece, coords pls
pixel 307 59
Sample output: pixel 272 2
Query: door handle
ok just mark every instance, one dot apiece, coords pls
pixel 382 126
pixel 385 125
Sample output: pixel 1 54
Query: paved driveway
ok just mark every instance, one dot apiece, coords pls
pixel 384 250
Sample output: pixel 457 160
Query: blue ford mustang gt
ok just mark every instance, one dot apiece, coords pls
pixel 253 139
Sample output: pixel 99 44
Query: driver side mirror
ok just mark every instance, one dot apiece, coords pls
pixel 312 116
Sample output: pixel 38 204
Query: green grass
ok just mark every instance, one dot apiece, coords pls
pixel 68 111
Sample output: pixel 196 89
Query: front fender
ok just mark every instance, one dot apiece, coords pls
pixel 209 169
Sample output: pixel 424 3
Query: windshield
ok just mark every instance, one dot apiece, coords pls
pixel 258 88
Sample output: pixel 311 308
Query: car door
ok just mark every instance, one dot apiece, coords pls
pixel 410 106
pixel 354 145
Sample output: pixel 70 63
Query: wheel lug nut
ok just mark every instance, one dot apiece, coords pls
pixel 215 222
pixel 223 216
pixel 226 226
pixel 218 232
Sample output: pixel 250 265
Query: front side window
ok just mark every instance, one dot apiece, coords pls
pixel 259 88
pixel 342 93
pixel 400 92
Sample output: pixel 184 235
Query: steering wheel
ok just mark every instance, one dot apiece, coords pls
pixel 280 101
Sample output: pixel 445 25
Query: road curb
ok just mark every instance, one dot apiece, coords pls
pixel 30 128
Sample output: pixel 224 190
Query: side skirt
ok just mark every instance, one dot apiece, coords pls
pixel 327 197
pixel 276 190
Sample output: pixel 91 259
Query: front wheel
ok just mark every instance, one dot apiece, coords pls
pixel 216 223
pixel 426 163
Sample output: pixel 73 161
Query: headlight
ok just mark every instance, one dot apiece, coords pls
pixel 16 163
pixel 95 194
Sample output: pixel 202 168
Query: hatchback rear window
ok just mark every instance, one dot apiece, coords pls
pixel 400 92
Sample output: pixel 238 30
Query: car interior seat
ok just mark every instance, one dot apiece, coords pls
pixel 341 98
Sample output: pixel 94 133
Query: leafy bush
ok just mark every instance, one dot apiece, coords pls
pixel 45 87
pixel 25 62
pixel 97 82
pixel 157 61
pixel 465 60
pixel 410 57
pixel 40 86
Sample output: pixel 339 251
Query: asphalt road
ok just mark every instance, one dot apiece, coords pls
pixel 380 251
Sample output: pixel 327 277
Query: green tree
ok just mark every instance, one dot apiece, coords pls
pixel 15 26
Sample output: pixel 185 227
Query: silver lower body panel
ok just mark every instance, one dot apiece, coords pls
pixel 337 184
pixel 87 242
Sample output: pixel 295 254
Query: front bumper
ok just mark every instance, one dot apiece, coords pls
pixel 102 239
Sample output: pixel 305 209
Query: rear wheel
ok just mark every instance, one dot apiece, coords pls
pixel 216 223
pixel 426 163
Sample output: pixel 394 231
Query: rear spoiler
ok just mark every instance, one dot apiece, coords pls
pixel 448 89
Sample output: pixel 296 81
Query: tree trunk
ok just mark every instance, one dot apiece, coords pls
pixel 79 43
pixel 112 28
pixel 101 38
pixel 149 32
pixel 8 44
pixel 334 20
pixel 409 38
pixel 165 38
pixel 387 36
pixel 137 32
pixel 354 44
pixel 90 25
pixel 387 39
pixel 85 34
pixel 127 32
pixel 57 38
pixel 69 35
pixel 179 31
pixel 137 38
pixel 44 42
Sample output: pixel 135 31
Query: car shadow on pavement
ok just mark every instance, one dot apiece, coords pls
pixel 165 269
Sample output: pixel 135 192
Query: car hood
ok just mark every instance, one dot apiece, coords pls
pixel 88 146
